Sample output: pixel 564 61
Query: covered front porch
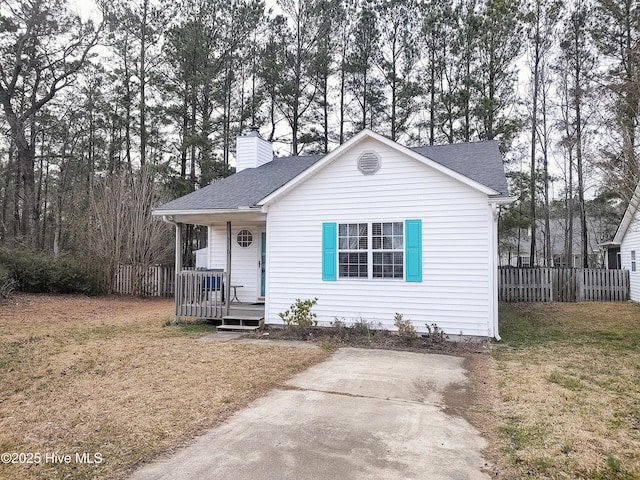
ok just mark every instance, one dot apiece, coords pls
pixel 228 287
pixel 203 294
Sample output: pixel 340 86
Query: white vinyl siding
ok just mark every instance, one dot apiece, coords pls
pixel 631 243
pixel 457 231
pixel 244 260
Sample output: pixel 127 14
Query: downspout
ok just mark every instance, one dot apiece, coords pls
pixel 494 268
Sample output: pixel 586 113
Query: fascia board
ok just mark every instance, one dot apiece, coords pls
pixel 166 213
pixel 629 213
pixel 502 200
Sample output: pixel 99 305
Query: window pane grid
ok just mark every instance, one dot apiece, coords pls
pixel 388 265
pixel 353 265
pixel 353 236
pixel 244 238
pixel 388 249
pixel 353 244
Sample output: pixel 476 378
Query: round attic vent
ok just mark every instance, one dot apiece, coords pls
pixel 369 163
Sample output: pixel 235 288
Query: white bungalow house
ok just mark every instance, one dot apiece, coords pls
pixel 371 229
pixel 624 250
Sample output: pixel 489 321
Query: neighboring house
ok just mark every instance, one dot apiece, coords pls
pixel 626 244
pixel 370 229
pixel 514 252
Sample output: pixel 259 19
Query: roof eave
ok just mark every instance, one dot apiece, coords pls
pixel 205 216
pixel 208 211
pixel 609 244
pixel 501 200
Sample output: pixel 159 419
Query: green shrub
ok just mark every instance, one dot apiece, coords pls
pixel 300 314
pixel 37 272
pixel 405 327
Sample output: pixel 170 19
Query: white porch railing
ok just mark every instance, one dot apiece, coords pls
pixel 201 294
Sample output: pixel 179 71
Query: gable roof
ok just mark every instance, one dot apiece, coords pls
pixel 478 164
pixel 632 208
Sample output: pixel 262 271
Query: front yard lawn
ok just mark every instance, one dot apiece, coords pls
pixel 106 379
pixel 568 390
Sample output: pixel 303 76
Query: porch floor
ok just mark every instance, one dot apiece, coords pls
pixel 246 310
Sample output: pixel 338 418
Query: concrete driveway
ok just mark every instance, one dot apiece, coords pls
pixel 362 414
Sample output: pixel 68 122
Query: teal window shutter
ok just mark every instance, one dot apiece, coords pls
pixel 413 250
pixel 329 259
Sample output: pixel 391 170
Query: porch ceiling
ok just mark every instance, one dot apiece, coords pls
pixel 213 217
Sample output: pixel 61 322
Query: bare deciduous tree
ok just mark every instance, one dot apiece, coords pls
pixel 121 229
pixel 42 48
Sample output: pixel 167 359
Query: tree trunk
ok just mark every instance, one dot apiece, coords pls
pixel 343 80
pixel 432 93
pixel 577 91
pixel 325 114
pixel 143 81
pixel 569 234
pixel 25 163
pixel 534 139
pixel 545 159
pixel 580 168
pixel 5 197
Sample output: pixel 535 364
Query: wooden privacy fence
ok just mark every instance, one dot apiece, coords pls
pixel 562 285
pixel 154 281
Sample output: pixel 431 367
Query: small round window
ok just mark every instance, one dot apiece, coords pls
pixel 245 238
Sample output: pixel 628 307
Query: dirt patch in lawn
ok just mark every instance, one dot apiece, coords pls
pixel 107 379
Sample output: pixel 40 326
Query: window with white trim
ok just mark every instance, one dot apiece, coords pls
pixel 371 250
pixel 633 260
pixel 353 246
pixel 244 238
pixel 388 249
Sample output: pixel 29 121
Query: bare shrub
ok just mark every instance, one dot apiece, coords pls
pixel 405 327
pixel 121 229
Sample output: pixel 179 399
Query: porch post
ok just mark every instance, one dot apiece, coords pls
pixel 178 260
pixel 227 287
pixel 178 267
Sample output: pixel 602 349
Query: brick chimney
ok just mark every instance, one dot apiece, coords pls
pixel 252 150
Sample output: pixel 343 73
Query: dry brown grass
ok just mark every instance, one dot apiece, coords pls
pixel 568 391
pixel 105 375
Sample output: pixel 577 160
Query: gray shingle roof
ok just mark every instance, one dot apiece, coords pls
pixel 479 161
pixel 245 188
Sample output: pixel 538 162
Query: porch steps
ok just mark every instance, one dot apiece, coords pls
pixel 249 328
pixel 241 319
